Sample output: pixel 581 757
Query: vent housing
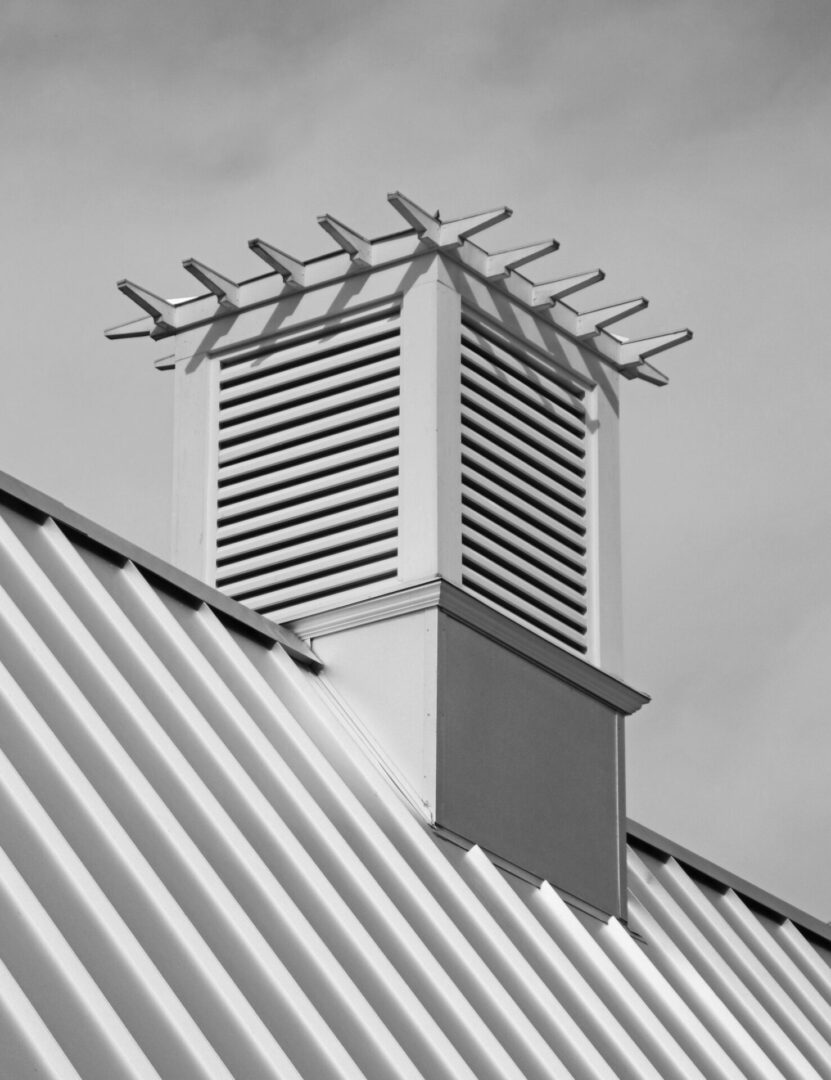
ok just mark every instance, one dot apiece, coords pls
pixel 407 408
pixel 408 450
pixel 309 509
pixel 401 413
pixel 308 435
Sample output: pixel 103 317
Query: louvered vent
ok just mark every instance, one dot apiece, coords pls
pixel 524 545
pixel 308 465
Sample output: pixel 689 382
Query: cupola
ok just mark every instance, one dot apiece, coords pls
pixel 407 450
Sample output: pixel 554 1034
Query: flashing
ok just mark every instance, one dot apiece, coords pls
pixel 488 621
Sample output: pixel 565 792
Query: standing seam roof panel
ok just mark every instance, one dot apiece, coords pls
pixel 206 875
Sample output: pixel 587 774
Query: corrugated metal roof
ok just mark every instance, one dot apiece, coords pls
pixel 203 876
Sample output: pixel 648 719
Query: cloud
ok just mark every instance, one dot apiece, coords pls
pixel 215 89
pixel 645 76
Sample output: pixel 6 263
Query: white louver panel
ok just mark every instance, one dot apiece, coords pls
pixel 524 499
pixel 308 465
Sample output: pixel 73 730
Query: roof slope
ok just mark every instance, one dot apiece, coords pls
pixel 204 877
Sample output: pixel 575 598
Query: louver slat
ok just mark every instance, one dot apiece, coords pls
pixel 309 391
pixel 382 506
pixel 507 600
pixel 360 325
pixel 516 546
pixel 279 579
pixel 495 512
pixel 267 378
pixel 334 423
pixel 545 505
pixel 524 364
pixel 279 419
pixel 312 464
pixel 251 472
pixel 523 449
pixel 521 428
pixel 308 466
pixel 313 510
pixel 524 495
pixel 533 398
pixel 290 601
pixel 291 554
pixel 300 481
pixel 498 577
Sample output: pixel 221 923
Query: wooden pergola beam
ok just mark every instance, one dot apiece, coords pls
pixel 293 271
pixel 630 357
pixel 440 233
pixel 163 313
pixel 226 291
pixel 544 294
pixel 358 254
pixel 582 324
pixel 357 247
pixel 499 264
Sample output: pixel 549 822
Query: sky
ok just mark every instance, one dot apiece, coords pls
pixel 681 146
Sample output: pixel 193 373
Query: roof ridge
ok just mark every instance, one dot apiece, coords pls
pixel 29 499
pixel 644 837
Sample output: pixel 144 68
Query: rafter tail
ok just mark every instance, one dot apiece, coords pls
pixel 162 311
pixel 502 263
pixel 225 290
pixel 583 324
pixel 440 233
pixel 293 271
pixel 550 291
pixel 646 372
pixel 357 247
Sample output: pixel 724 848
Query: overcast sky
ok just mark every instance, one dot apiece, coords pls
pixel 684 147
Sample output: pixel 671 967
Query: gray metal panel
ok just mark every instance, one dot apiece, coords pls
pixel 203 876
pixel 528 766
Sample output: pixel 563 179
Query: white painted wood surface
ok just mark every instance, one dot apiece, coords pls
pixel 195 453
pixel 430 491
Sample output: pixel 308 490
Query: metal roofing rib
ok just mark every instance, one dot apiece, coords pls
pixel 203 876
